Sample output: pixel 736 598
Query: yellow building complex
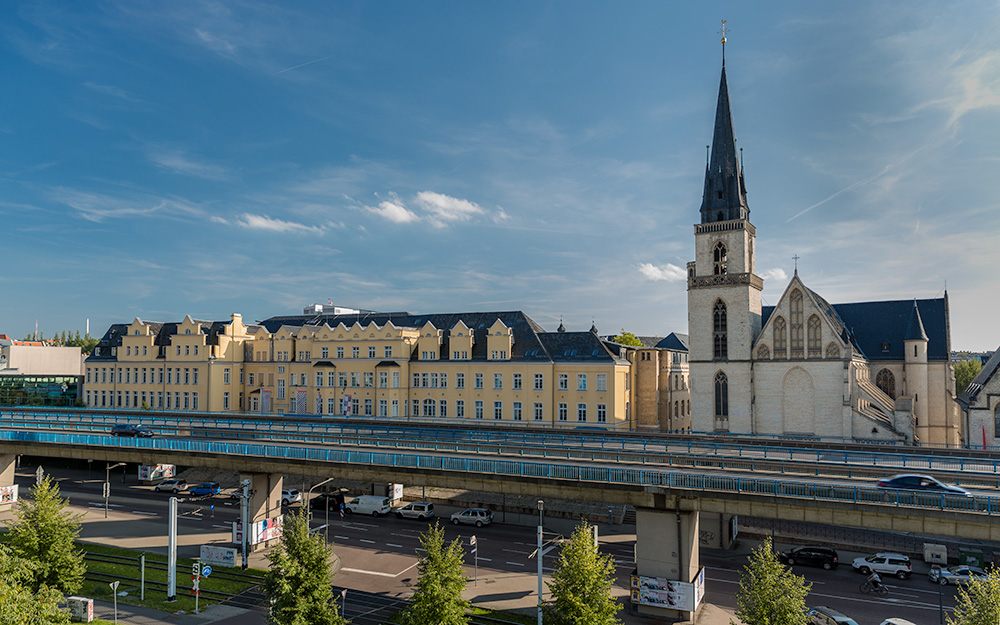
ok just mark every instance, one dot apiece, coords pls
pixel 498 366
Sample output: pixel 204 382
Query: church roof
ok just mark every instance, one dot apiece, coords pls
pixel 968 396
pixel 878 329
pixel 725 190
pixel 915 330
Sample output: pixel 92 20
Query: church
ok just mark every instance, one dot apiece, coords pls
pixel 864 371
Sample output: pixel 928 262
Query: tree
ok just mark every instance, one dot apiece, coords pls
pixel 979 602
pixel 581 583
pixel 437 599
pixel 19 605
pixel 626 338
pixel 299 583
pixel 43 534
pixel 770 594
pixel 965 371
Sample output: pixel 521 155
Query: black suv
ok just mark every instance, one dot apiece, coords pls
pixel 813 556
pixel 128 429
pixel 328 501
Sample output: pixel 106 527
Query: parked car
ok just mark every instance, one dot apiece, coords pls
pixel 173 486
pixel 884 564
pixel 822 615
pixel 290 496
pixel 897 621
pixel 914 481
pixel 374 505
pixel 206 488
pixel 954 575
pixel 812 556
pixel 130 429
pixel 419 510
pixel 473 516
pixel 327 501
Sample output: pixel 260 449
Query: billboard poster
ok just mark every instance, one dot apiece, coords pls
pixel 149 472
pixel 664 593
pixel 222 556
pixel 345 405
pixel 8 494
pixel 265 530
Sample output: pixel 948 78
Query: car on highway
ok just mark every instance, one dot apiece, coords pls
pixel 131 429
pixel 290 496
pixel 419 510
pixel 954 575
pixel 206 488
pixel 884 564
pixel 811 556
pixel 171 486
pixel 473 516
pixel 926 483
pixel 822 615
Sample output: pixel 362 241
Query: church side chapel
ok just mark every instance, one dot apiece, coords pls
pixel 867 371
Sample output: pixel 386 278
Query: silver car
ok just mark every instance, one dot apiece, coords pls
pixel 173 486
pixel 473 516
pixel 420 510
pixel 954 575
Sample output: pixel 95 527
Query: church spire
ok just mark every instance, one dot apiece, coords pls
pixel 725 196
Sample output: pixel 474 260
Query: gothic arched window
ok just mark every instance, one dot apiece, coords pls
pixel 719 258
pixel 780 338
pixel 996 424
pixel 719 338
pixel 815 337
pixel 887 382
pixel 795 323
pixel 763 353
pixel 721 401
pixel 832 351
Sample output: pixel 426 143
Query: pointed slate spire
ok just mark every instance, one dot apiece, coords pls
pixel 593 327
pixel 561 327
pixel 725 196
pixel 915 330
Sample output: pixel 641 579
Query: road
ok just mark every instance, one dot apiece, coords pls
pixel 379 555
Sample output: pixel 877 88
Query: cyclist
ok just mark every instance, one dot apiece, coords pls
pixel 875 580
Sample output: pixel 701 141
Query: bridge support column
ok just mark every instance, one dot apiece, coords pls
pixel 667 563
pixel 264 503
pixel 8 489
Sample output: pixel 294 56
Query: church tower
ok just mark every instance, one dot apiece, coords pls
pixel 724 294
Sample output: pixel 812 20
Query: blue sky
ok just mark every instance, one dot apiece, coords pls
pixel 159 159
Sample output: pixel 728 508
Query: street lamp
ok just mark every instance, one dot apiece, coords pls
pixel 309 502
pixel 107 485
pixel 541 518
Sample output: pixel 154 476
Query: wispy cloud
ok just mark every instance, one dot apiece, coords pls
pixel 394 211
pixel 177 162
pixel 288 69
pixel 668 272
pixel 977 86
pixel 777 274
pixel 110 90
pixel 99 207
pixel 264 222
pixel 840 192
pixel 443 209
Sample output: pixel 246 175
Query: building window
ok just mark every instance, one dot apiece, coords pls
pixel 383 408
pixel 459 380
pixel 538 411
pixel 383 379
pixel 720 339
pixel 371 351
pixel 602 381
pixel 342 380
pixel 387 352
pixel 581 381
pixel 395 379
pixel 281 388
pixel 430 408
pixel 479 409
pixel 815 337
pixel 887 382
pixel 355 352
pixel 721 401
pixel 563 382
pixel 225 375
pixel 324 352
pixel 443 408
pixel 517 382
pixel 498 410
pixel 602 413
pixel 538 382
pixel 497 381
pixel 780 338
pixel 563 412
pixel 368 407
pixel 369 379
pixel 319 378
pixel 444 380
pixel 250 377
pixel 460 408
pixel 340 352
pixel 479 380
pixel 581 412
pixel 516 413
pixel 795 329
pixel 355 380
pixel 225 401
pixel 719 259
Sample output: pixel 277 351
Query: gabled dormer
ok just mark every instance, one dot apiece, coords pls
pixel 137 343
pixel 429 343
pixel 188 342
pixel 499 341
pixel 460 341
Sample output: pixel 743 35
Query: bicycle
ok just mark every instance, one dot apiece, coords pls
pixel 880 590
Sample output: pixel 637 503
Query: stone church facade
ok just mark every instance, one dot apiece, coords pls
pixel 873 371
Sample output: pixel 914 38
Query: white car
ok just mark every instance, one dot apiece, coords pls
pixel 884 564
pixel 173 486
pixel 290 496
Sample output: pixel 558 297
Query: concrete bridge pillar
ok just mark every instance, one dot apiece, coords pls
pixel 264 502
pixel 666 553
pixel 8 490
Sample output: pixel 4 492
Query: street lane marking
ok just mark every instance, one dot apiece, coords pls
pixel 486 559
pixel 370 542
pixel 380 573
pixel 516 563
pixel 223 527
pixel 342 537
pixel 522 553
pixel 394 545
pixel 363 524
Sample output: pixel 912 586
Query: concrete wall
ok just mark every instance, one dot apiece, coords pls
pixel 33 360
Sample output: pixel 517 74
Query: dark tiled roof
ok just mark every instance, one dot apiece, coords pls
pixel 915 329
pixel 161 335
pixel 674 341
pixel 968 396
pixel 872 325
pixel 577 346
pixel 724 187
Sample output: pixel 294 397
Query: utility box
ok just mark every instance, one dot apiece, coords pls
pixel 971 557
pixel 935 554
pixel 81 609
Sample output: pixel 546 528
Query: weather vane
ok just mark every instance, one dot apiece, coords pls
pixel 723 31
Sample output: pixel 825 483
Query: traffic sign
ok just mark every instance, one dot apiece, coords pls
pixel 39 474
pixel 205 572
pixel 107 490
pixel 195 570
pixel 114 585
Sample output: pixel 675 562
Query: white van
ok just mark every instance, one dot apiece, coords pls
pixel 375 505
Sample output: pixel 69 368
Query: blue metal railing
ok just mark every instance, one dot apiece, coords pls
pixel 592 474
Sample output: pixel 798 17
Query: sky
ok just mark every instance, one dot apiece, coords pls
pixel 164 159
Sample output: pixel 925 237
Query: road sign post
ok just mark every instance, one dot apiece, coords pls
pixel 142 577
pixel 114 593
pixel 39 474
pixel 475 553
pixel 195 586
